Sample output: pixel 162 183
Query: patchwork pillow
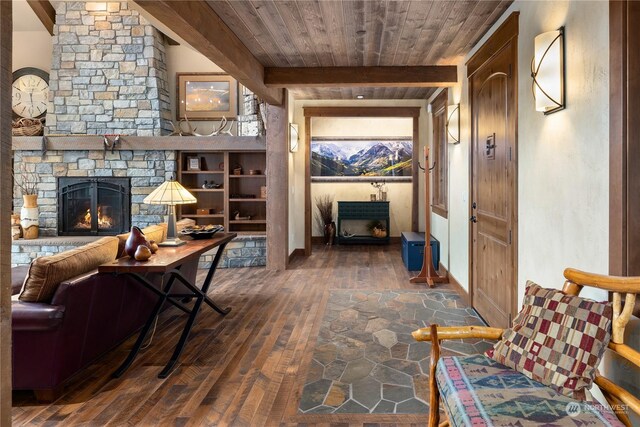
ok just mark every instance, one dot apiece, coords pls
pixel 556 339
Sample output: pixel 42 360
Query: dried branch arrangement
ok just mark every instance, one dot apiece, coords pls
pixel 324 215
pixel 26 181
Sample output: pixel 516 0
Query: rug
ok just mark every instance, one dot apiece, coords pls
pixel 365 359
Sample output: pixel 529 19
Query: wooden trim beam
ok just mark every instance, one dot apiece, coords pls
pixel 45 13
pixel 308 230
pixel 197 24
pixel 182 143
pixel 277 186
pixel 415 190
pixel 508 30
pixel 624 139
pixel 6 193
pixel 361 111
pixel 419 76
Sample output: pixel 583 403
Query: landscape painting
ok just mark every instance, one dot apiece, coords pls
pixel 206 96
pixel 340 158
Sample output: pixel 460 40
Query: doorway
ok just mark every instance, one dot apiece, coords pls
pixel 353 112
pixel 493 94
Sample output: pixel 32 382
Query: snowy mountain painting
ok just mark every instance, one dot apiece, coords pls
pixel 361 157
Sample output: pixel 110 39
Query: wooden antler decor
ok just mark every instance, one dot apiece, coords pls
pixel 428 274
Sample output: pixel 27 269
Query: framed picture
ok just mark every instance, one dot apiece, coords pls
pixel 193 163
pixel 361 159
pixel 206 96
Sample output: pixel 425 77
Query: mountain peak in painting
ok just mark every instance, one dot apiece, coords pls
pixel 361 158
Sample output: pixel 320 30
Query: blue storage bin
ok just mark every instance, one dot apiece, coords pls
pixel 413 250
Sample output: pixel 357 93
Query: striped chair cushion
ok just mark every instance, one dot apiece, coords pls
pixel 478 391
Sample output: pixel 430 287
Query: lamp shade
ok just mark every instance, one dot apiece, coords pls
pixel 170 193
pixel 547 71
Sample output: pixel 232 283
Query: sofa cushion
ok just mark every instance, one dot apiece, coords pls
pixel 153 232
pixel 18 274
pixel 556 339
pixel 478 391
pixel 46 273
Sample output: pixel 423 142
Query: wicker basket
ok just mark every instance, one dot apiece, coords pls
pixel 27 127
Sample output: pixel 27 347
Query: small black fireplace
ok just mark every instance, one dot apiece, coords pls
pixel 93 206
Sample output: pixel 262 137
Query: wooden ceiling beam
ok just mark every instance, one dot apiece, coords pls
pixel 401 76
pixel 45 13
pixel 362 111
pixel 197 24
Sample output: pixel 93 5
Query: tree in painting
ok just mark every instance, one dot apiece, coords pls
pixel 332 157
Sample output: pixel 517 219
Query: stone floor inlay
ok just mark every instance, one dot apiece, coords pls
pixel 365 359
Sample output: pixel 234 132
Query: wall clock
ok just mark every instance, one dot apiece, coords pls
pixel 30 92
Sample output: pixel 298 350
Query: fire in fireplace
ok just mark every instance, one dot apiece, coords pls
pixel 93 206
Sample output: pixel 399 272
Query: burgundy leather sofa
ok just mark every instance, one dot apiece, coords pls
pixel 88 316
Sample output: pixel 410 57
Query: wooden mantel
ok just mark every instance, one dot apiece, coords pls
pixel 183 143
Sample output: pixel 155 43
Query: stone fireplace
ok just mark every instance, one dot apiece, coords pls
pixel 143 171
pixel 93 206
pixel 108 73
pixel 108 76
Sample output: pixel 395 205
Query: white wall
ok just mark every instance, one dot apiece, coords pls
pixel 296 164
pixel 184 59
pixel 399 194
pixel 31 41
pixel 563 158
pixel 32 49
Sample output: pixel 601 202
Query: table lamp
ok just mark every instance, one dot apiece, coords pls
pixel 170 193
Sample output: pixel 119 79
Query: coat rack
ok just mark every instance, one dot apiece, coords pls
pixel 428 274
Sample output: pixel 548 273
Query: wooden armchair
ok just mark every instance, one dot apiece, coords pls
pixel 624 291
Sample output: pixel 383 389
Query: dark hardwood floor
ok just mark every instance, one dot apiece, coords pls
pixel 244 369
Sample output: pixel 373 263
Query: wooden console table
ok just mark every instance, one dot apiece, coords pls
pixel 167 262
pixel 363 211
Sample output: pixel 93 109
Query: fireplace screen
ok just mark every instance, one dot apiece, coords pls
pixel 93 206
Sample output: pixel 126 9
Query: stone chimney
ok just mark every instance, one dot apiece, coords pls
pixel 108 73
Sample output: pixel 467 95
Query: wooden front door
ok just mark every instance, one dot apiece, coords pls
pixel 493 186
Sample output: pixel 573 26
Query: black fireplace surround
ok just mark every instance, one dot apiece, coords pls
pixel 93 206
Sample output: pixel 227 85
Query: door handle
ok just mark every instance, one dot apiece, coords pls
pixel 473 219
pixel 490 146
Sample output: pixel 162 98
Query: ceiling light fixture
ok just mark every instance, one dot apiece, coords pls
pixel 547 71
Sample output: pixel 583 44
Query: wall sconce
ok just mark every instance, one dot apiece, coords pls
pixel 453 124
pixel 547 71
pixel 293 137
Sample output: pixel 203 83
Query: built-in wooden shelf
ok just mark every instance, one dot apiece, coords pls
pixel 206 190
pixel 202 172
pixel 250 157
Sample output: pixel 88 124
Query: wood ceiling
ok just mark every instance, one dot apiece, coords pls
pixel 326 33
